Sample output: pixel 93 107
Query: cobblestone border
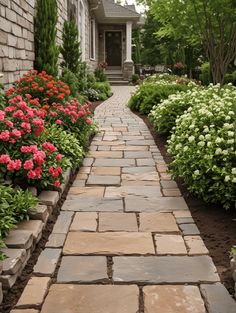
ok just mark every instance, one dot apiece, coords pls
pixel 21 241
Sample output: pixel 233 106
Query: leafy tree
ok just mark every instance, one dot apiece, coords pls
pixel 70 48
pixel 46 51
pixel 208 23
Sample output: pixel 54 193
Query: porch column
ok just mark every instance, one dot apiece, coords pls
pixel 128 68
pixel 128 42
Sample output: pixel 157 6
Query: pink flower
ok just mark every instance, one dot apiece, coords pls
pixel 28 149
pixel 5 135
pixel 38 171
pixel 2 115
pixel 52 113
pixel 26 126
pixel 9 123
pixel 31 174
pixel 38 121
pixel 16 133
pixel 14 165
pixel 22 105
pixel 18 114
pixel 88 121
pixel 28 165
pixel 49 147
pixel 4 159
pixel 58 157
pixel 58 122
pixel 57 183
pixel 39 157
pixel 10 108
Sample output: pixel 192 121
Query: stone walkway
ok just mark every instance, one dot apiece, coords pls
pixel 125 241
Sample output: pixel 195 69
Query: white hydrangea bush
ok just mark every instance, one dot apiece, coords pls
pixel 163 116
pixel 203 144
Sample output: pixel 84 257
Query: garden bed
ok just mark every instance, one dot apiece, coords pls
pixel 217 226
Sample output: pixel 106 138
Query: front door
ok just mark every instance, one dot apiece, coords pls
pixel 113 48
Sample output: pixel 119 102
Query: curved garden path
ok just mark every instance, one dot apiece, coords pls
pixel 125 241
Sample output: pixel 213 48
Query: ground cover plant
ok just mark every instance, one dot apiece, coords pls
pixel 156 88
pixel 203 145
pixel 14 207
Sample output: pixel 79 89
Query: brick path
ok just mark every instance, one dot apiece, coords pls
pixel 125 241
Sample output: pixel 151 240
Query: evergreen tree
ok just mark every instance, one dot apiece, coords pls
pixel 46 50
pixel 70 48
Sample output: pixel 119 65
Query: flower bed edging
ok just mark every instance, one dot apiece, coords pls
pixel 21 241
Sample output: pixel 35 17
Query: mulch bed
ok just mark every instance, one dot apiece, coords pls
pixel 217 226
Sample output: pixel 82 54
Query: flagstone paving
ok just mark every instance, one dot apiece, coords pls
pixel 125 241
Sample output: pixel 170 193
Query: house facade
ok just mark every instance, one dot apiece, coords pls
pixel 105 31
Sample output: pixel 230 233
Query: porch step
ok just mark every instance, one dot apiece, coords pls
pixel 119 82
pixel 115 77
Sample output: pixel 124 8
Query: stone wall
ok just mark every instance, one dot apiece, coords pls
pixel 16 38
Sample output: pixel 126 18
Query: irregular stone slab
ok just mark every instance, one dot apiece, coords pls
pixel 25 311
pixel 173 299
pixel 171 192
pixel 170 244
pixel 145 162
pixel 169 184
pixel 91 299
pixel 85 170
pixel 137 154
pixel 111 143
pixel 84 221
pixel 150 176
pixel 63 223
pixel 33 226
pixel 164 269
pixel 94 204
pixel 117 222
pixel 139 183
pixel 141 142
pixel 48 197
pixel 56 240
pixel 129 137
pixel 189 229
pixel 184 220
pixel 21 239
pixel 41 212
pixel 88 162
pixel 182 214
pixel 82 192
pixel 115 162
pixel 83 269
pixel 106 154
pixel 34 292
pixel 103 180
pixel 164 204
pixel 114 171
pixel 47 262
pixel 137 191
pixel 110 243
pixel 195 245
pixel 158 222
pixel 139 169
pixel 217 299
pixel 14 261
pixel 130 148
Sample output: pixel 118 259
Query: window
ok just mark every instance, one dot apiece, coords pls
pixel 92 39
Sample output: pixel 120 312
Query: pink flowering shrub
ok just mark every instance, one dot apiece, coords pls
pixel 25 154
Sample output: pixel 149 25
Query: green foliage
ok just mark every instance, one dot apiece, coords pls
pixel 2 98
pixel 100 75
pixel 46 51
pixel 205 75
pixel 14 207
pixel 203 145
pixel 230 78
pixel 104 90
pixel 66 143
pixel 135 79
pixel 163 116
pixel 70 48
pixel 154 89
pixel 70 79
pixel 233 251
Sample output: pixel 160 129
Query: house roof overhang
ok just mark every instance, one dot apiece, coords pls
pixel 108 12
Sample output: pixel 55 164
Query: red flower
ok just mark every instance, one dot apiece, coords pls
pixel 49 147
pixel 58 122
pixel 5 135
pixel 4 158
pixel 16 133
pixel 58 157
pixel 28 165
pixel 57 184
pixel 2 115
pixel 14 165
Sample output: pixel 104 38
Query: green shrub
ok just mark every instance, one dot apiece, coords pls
pixel 230 78
pixel 205 75
pixel 71 80
pixel 203 145
pixel 66 143
pixel 104 90
pixel 163 116
pixel 14 207
pixel 143 91
pixel 100 75
pixel 135 79
pixel 160 92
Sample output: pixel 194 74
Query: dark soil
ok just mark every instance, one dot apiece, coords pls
pixel 217 226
